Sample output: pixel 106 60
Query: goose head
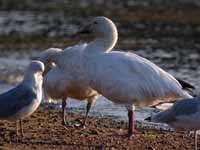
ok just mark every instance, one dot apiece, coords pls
pixel 49 57
pixel 104 31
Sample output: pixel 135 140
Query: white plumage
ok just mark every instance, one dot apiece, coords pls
pixel 124 78
pixel 129 78
pixel 66 77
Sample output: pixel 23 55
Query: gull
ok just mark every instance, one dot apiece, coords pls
pixel 21 101
pixel 64 77
pixel 184 115
pixel 123 77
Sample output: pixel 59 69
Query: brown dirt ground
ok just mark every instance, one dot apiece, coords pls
pixel 43 130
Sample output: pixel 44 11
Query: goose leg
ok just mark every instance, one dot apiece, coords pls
pixel 91 100
pixel 89 104
pixel 131 126
pixel 64 105
pixel 64 122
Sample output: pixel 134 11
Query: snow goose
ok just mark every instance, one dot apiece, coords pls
pixel 64 77
pixel 23 100
pixel 122 77
pixel 183 115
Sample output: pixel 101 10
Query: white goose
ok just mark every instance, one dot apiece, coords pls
pixel 64 77
pixel 124 78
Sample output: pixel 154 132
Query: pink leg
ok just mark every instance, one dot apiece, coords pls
pixel 89 104
pixel 131 127
pixel 64 105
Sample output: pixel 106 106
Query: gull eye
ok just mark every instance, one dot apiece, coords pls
pixel 95 22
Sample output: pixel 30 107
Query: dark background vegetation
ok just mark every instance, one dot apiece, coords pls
pixel 165 24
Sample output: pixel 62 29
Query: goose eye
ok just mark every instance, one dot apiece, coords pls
pixel 95 22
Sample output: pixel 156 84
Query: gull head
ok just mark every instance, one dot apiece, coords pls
pixel 35 68
pixel 33 75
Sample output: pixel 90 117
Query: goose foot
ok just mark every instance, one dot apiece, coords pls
pixel 129 136
pixel 67 124
pixel 73 124
pixel 79 124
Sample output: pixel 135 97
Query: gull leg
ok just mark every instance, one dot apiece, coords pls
pixel 21 129
pixel 17 133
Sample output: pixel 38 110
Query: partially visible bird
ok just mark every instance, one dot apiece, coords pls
pixel 64 78
pixel 184 115
pixel 23 100
pixel 122 77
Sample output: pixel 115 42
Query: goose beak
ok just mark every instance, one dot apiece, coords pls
pixel 86 30
pixel 148 119
pixel 41 74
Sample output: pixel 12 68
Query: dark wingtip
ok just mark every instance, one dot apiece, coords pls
pixel 185 84
pixel 148 119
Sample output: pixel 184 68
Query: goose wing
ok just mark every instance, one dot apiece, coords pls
pixel 119 73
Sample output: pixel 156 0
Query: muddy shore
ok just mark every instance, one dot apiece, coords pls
pixel 43 130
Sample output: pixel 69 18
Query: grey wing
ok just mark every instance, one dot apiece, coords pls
pixel 182 107
pixel 14 100
pixel 185 107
